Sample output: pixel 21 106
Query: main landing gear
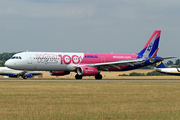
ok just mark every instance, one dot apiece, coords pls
pixel 78 76
pixel 97 77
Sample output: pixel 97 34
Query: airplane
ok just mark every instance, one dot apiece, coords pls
pixel 162 68
pixel 87 64
pixel 16 73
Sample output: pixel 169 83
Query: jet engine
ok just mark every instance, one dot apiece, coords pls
pixel 87 71
pixel 59 73
pixel 25 76
pixel 29 75
pixel 13 75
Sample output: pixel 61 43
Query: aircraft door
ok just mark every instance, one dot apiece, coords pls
pixel 29 58
pixel 102 59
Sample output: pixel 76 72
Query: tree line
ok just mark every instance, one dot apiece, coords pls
pixel 153 73
pixel 4 57
pixel 177 62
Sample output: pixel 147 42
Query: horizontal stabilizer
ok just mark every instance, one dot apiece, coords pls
pixel 159 59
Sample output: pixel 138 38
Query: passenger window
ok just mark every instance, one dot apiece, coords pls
pixel 20 58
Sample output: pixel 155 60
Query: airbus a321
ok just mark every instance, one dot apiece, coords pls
pixel 87 64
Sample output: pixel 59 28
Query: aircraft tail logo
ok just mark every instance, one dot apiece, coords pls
pixel 151 48
pixel 161 65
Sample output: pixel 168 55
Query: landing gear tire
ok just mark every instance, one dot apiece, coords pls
pixel 24 77
pixel 98 77
pixel 78 76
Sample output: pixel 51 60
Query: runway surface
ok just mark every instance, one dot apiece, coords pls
pixel 3 79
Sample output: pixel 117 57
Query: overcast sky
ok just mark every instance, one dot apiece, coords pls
pixel 98 26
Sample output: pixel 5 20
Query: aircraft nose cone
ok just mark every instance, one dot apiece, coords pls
pixel 8 64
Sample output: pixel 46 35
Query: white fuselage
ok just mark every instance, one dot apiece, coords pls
pixel 6 70
pixel 45 61
pixel 59 61
pixel 168 70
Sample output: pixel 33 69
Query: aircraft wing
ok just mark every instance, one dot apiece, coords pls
pixel 105 66
pixel 34 72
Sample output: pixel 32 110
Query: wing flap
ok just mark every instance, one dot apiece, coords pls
pixel 105 66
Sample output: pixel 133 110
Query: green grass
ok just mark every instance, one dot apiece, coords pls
pixel 87 100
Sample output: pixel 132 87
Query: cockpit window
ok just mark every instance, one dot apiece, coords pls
pixel 16 57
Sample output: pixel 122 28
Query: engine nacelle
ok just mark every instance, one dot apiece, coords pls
pixel 29 75
pixel 13 75
pixel 59 73
pixel 87 71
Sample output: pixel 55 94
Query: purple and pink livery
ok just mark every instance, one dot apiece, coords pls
pixel 87 64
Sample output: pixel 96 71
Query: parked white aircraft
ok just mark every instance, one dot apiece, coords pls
pixel 160 67
pixel 16 73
